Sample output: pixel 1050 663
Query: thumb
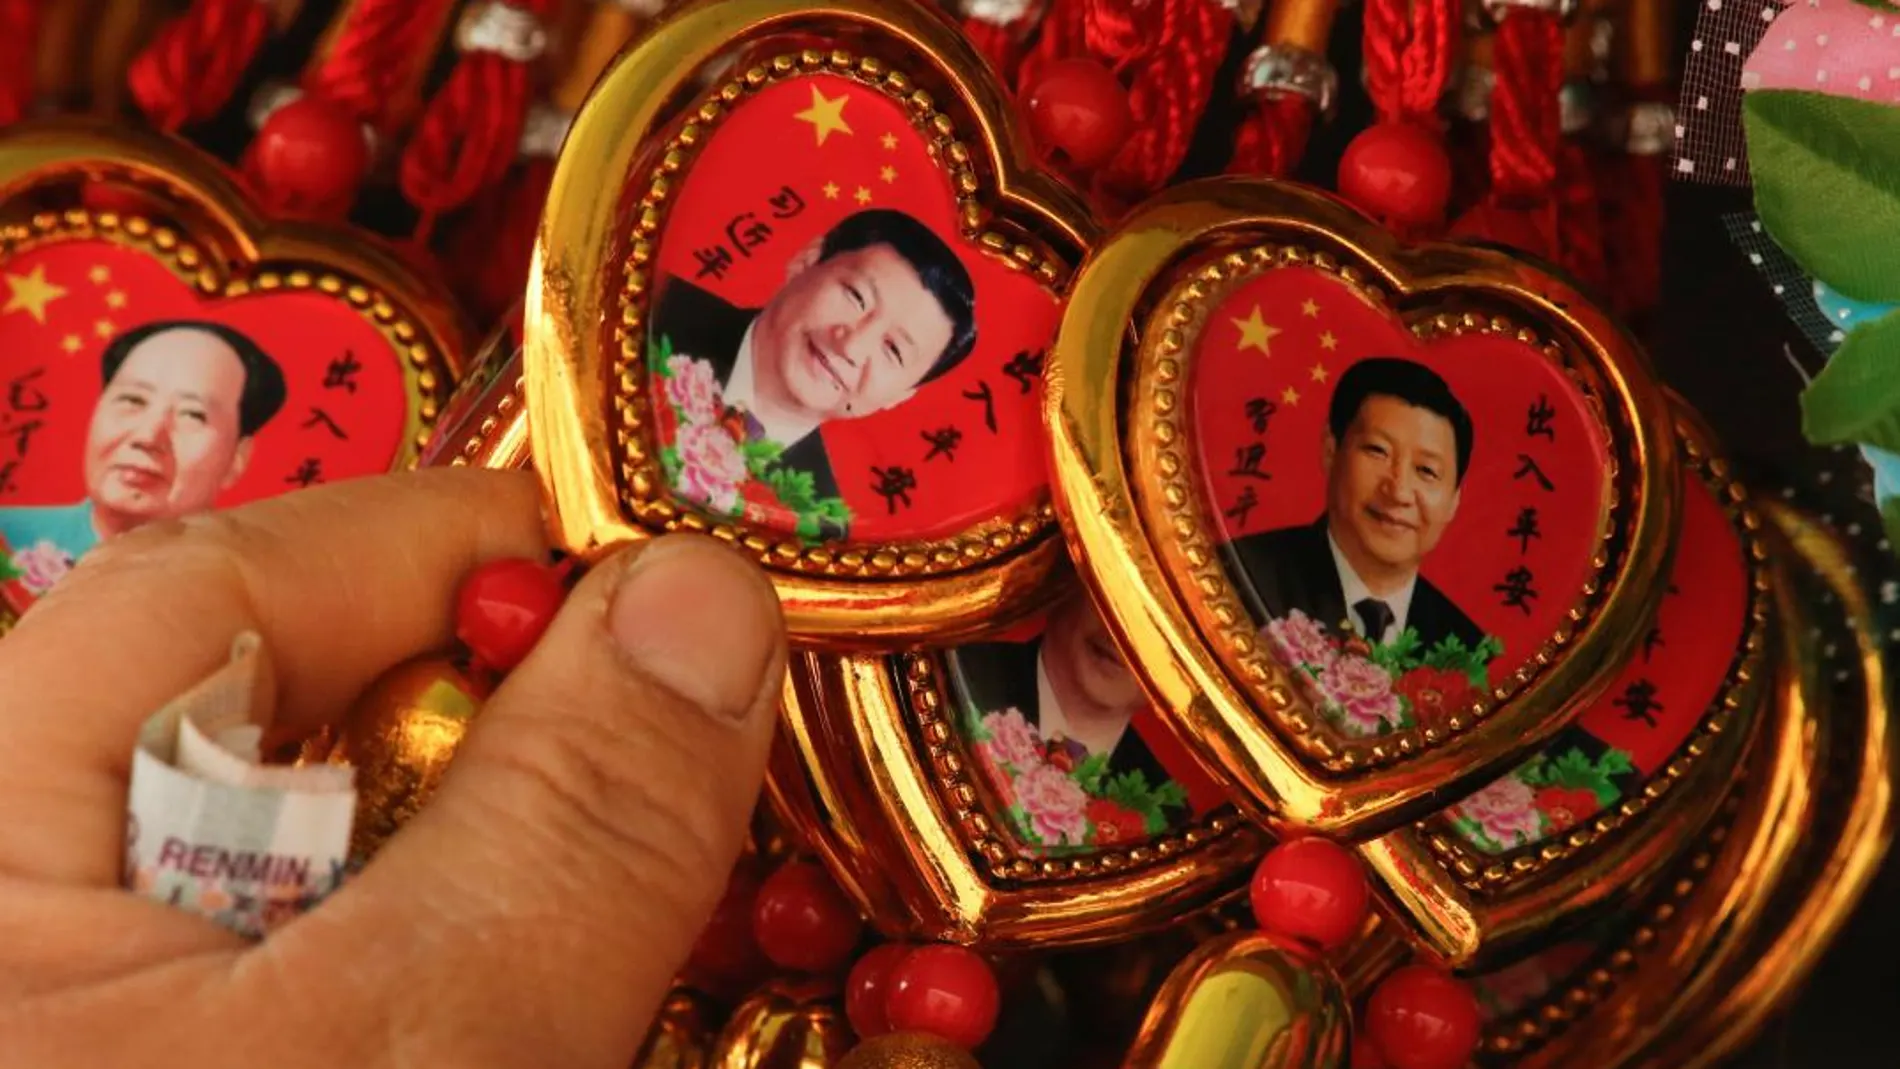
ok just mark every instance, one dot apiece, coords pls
pixel 537 910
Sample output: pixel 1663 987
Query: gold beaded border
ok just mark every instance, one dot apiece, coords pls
pixel 1487 873
pixel 1166 429
pixel 643 485
pixel 928 698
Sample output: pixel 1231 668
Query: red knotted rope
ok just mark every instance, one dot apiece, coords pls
pixel 1526 109
pixel 192 65
pixel 1273 139
pixel 375 55
pixel 1409 46
pixel 19 62
pixel 1173 49
pixel 1002 43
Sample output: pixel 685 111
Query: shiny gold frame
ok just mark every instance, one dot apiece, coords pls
pixel 590 276
pixel 1147 557
pixel 1476 906
pixel 877 780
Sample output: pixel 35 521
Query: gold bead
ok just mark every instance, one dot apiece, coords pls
pixel 908 1050
pixel 401 737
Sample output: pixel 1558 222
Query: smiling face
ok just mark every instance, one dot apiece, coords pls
pixel 164 438
pixel 849 336
pixel 1392 486
pixel 1085 669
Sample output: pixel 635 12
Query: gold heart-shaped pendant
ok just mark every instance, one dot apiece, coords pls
pixel 807 312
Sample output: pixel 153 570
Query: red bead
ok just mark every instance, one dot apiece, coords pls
pixel 727 956
pixel 802 922
pixel 1313 890
pixel 1421 1018
pixel 1397 172
pixel 1079 109
pixel 310 156
pixel 868 988
pixel 947 991
pixel 502 609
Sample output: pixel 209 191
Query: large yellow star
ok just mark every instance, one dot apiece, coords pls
pixel 826 115
pixel 1255 333
pixel 32 292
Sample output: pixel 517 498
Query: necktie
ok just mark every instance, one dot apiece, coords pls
pixel 1375 616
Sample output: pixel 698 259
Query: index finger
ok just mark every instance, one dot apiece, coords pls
pixel 342 582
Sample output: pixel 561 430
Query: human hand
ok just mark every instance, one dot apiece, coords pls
pixel 533 914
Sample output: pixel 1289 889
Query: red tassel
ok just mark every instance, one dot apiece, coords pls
pixel 1526 107
pixel 1408 58
pixel 193 64
pixel 489 253
pixel 1580 219
pixel 1273 138
pixel 1172 82
pixel 19 34
pixel 375 56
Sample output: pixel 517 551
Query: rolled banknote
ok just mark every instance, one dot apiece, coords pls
pixel 213 830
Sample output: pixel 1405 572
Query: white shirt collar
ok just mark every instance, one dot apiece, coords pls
pixel 738 390
pixel 1354 588
pixel 1051 721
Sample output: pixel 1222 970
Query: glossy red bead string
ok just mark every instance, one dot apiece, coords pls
pixel 187 72
pixel 1422 1018
pixel 19 58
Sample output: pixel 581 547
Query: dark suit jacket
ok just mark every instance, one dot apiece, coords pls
pixel 1003 674
pixel 1292 568
pixel 703 326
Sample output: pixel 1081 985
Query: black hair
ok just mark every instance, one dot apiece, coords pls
pixel 264 388
pixel 936 264
pixel 1407 381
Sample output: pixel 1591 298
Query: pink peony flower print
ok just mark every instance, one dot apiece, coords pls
pixel 41 565
pixel 1299 639
pixel 711 467
pixel 1057 806
pixel 1013 739
pixel 693 388
pixel 1506 812
pixel 1363 693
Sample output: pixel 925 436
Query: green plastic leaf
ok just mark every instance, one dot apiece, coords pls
pixel 8 571
pixel 660 356
pixel 1856 397
pixel 1615 762
pixel 1826 171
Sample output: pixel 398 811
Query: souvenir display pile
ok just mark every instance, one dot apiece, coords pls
pixel 1313 534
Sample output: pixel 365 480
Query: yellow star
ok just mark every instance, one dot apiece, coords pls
pixel 826 115
pixel 1319 372
pixel 888 174
pixel 1290 396
pixel 862 196
pixel 71 343
pixel 32 292
pixel 1327 341
pixel 831 190
pixel 99 275
pixel 889 141
pixel 104 328
pixel 115 299
pixel 1310 308
pixel 1255 333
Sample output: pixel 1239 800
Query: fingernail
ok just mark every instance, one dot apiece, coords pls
pixel 698 619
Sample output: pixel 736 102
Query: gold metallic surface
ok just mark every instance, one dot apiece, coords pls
pixel 1644 44
pixel 908 1050
pixel 1480 907
pixel 1244 1001
pixel 1306 24
pixel 681 1036
pixel 585 284
pixel 788 1024
pixel 401 737
pixel 607 30
pixel 1109 475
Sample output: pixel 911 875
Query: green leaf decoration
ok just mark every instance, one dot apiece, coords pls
pixel 1090 772
pixel 1856 397
pixel 1615 762
pixel 8 570
pixel 1826 171
pixel 1879 5
pixel 760 454
pixel 1024 830
pixel 660 356
pixel 1535 772
pixel 1400 655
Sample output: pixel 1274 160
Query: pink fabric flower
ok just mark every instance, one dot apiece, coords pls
pixel 694 389
pixel 1299 639
pixel 1056 805
pixel 1837 47
pixel 41 565
pixel 711 467
pixel 1506 812
pixel 1013 739
pixel 1363 693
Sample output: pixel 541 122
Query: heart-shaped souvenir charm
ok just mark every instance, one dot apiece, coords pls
pixel 197 357
pixel 807 312
pixel 1374 522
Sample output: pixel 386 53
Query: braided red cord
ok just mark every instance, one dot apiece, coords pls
pixel 19 35
pixel 470 134
pixel 1273 138
pixel 1388 28
pixel 192 65
pixel 1409 46
pixel 1172 82
pixel 1526 110
pixel 487 254
pixel 376 53
pixel 1580 218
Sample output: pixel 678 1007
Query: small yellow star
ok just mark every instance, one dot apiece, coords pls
pixel 888 174
pixel 115 299
pixel 1319 372
pixel 71 343
pixel 889 141
pixel 1328 342
pixel 99 275
pixel 826 115
pixel 831 190
pixel 104 328
pixel 1310 308
pixel 32 292
pixel 862 196
pixel 1255 333
pixel 1290 396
